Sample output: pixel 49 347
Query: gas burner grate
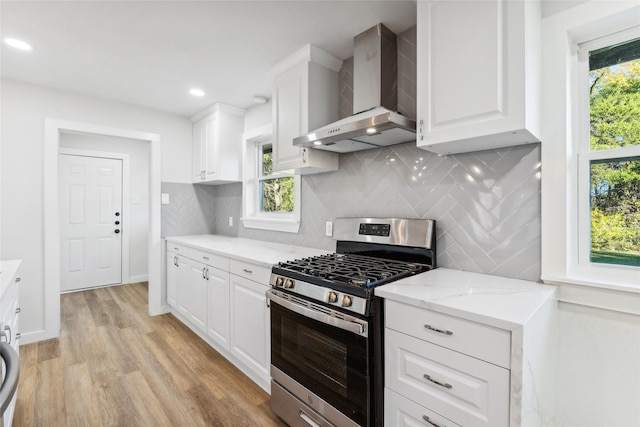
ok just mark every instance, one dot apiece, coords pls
pixel 353 270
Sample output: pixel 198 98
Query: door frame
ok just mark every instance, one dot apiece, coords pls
pixel 52 129
pixel 126 199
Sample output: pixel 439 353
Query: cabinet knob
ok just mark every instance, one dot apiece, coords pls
pixel 18 279
pixel 116 231
pixel 117 213
pixel 18 310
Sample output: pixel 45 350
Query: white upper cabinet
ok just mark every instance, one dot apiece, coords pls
pixel 217 145
pixel 478 81
pixel 305 97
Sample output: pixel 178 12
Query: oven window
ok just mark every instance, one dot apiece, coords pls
pixel 330 362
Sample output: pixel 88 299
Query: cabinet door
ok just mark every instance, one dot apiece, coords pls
pixel 471 83
pixel 199 138
pixel 210 149
pixel 250 324
pixel 218 307
pixel 290 114
pixel 466 390
pixel 172 279
pixel 402 412
pixel 192 294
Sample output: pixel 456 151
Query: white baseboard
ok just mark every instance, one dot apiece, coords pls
pixel 137 279
pixel 35 336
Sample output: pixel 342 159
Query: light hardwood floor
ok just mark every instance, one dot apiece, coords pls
pixel 114 365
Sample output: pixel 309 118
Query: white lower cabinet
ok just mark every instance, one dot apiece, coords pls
pixel 218 306
pixel 173 278
pixel 192 295
pixel 224 302
pixel 10 324
pixel 250 325
pixel 431 382
pixel 402 412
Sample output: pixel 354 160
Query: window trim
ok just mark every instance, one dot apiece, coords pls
pixel 252 217
pixel 562 33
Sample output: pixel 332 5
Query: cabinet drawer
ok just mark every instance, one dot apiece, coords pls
pixel 477 340
pixel 213 260
pixel 402 412
pixel 257 273
pixel 178 249
pixel 463 389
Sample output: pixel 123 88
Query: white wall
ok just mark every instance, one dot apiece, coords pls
pixel 137 218
pixel 24 109
pixel 257 116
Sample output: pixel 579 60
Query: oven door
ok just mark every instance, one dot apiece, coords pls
pixel 325 351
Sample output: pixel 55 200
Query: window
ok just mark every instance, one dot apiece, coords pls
pixel 575 176
pixel 271 201
pixel 609 152
pixel 276 193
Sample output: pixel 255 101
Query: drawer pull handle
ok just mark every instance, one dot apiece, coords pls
pixel 18 310
pixel 445 385
pixel 440 331
pixel 18 335
pixel 177 249
pixel 205 257
pixel 247 271
pixel 307 419
pixel 18 279
pixel 424 417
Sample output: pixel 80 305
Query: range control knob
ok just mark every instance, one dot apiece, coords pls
pixel 346 301
pixel 288 283
pixel 279 281
pixel 332 297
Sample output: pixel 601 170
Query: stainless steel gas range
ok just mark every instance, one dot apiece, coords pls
pixel 327 324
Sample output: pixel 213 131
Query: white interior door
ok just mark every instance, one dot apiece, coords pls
pixel 90 200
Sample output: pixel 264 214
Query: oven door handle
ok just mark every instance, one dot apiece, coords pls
pixel 355 325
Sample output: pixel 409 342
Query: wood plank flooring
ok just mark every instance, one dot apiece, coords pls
pixel 114 365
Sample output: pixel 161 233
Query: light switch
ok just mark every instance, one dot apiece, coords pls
pixel 328 228
pixel 165 198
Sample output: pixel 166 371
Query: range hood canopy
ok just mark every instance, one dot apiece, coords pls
pixel 375 88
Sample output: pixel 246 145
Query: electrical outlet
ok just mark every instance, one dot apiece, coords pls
pixel 328 228
pixel 230 221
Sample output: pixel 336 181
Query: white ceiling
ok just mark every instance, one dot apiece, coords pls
pixel 151 53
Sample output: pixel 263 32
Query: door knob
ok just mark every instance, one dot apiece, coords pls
pixel 117 222
pixel 117 213
pixel 117 231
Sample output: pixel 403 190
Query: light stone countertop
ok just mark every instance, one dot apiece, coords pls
pixel 8 270
pixel 255 251
pixel 492 300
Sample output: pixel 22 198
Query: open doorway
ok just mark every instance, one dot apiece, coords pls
pixel 54 129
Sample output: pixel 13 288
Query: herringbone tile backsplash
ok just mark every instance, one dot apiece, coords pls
pixel 486 204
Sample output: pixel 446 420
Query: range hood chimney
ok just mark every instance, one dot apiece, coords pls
pixel 375 97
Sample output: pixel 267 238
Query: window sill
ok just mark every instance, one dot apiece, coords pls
pixel 284 225
pixel 616 297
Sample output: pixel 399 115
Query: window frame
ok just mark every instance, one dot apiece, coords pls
pixel 562 34
pixel 252 216
pixel 581 260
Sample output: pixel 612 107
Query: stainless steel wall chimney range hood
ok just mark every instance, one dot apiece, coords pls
pixel 375 88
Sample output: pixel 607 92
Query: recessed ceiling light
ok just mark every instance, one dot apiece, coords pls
pixel 18 44
pixel 196 92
